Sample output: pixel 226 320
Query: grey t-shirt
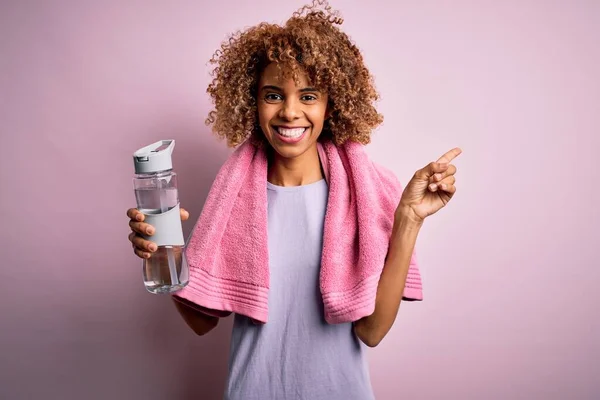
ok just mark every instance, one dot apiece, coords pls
pixel 296 355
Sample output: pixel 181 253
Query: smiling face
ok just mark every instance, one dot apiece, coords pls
pixel 291 117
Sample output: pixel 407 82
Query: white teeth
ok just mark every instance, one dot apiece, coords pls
pixel 292 133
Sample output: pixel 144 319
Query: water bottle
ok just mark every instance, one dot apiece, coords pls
pixel 155 186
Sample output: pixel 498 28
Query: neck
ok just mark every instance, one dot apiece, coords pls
pixel 302 170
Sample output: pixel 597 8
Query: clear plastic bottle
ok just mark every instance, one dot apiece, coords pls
pixel 155 186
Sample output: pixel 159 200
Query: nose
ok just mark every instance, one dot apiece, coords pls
pixel 289 110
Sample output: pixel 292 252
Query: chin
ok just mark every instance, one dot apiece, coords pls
pixel 289 153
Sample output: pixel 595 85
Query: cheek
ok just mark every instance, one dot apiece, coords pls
pixel 262 119
pixel 265 114
pixel 318 117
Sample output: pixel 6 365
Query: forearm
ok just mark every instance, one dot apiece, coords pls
pixel 198 321
pixel 372 329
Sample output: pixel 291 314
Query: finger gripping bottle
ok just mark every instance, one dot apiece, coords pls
pixel 155 186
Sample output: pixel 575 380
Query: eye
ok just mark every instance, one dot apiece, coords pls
pixel 272 97
pixel 309 97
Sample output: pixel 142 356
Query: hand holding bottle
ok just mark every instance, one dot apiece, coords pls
pixel 144 248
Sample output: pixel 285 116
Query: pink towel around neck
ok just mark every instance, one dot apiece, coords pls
pixel 228 255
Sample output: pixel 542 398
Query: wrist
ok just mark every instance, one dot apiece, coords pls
pixel 406 219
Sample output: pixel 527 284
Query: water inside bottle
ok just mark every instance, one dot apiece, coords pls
pixel 158 276
pixel 164 271
pixel 156 200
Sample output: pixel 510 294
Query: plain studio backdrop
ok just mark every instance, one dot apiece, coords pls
pixel 511 276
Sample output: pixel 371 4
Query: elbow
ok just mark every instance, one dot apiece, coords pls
pixel 204 325
pixel 201 331
pixel 372 341
pixel 370 337
pixel 199 322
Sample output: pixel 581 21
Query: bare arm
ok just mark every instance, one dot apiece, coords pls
pixel 198 321
pixel 373 328
pixel 430 189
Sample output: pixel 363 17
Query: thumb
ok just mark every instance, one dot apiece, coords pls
pixel 425 173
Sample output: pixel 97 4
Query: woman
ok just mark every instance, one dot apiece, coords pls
pixel 286 88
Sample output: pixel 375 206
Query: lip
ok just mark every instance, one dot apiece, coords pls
pixel 286 139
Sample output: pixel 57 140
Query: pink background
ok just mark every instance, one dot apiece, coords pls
pixel 511 276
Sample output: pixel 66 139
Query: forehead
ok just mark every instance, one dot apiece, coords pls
pixel 280 75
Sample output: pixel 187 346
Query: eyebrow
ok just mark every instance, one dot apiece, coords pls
pixel 303 90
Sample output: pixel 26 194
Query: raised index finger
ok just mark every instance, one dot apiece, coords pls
pixel 450 155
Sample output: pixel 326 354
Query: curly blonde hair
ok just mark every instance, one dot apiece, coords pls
pixel 309 42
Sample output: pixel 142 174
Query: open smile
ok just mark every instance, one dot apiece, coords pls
pixel 290 134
